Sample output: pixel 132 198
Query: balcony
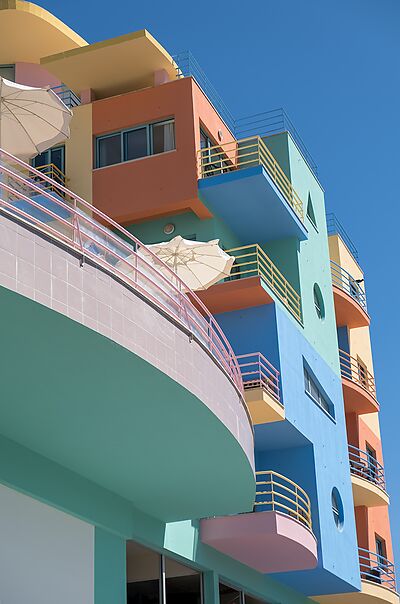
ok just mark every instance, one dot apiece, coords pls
pixel 349 298
pixel 358 385
pixel 276 537
pixel 245 171
pixel 378 583
pixel 85 306
pixel 54 174
pixel 254 280
pixel 261 388
pixel 367 479
pixel 68 97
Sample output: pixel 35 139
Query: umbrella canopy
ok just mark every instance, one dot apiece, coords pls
pixel 31 119
pixel 199 264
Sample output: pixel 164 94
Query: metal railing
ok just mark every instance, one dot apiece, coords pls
pixel 265 124
pixel 68 97
pixel 67 218
pixel 276 493
pixel 248 153
pixel 272 122
pixel 258 372
pixel 364 465
pixel 344 281
pixel 376 569
pixel 187 66
pixel 52 172
pixel 335 228
pixel 353 369
pixel 252 261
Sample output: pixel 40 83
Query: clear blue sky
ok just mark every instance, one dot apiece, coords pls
pixel 334 66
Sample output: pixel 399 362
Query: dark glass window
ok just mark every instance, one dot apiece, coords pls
pixel 135 144
pixel 182 583
pixel 143 573
pixel 315 392
pixel 229 595
pixel 109 150
pixel 8 72
pixel 163 137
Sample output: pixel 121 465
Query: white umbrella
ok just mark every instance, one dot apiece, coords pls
pixel 199 264
pixel 31 119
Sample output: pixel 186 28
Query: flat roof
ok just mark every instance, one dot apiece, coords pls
pixel 113 66
pixel 29 32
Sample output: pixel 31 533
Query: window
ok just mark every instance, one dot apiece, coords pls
pixel 213 158
pixel 337 508
pixel 310 212
pixel 149 139
pixel 371 460
pixel 362 373
pixel 318 302
pixel 8 72
pixel 55 156
pixel 153 578
pixel 380 548
pixel 315 393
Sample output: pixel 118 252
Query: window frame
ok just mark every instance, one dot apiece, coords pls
pixel 328 408
pixel 122 134
pixel 49 161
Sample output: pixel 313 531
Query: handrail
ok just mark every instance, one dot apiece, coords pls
pixel 258 372
pixel 354 370
pixel 247 153
pixel 376 569
pixel 68 97
pixel 334 227
pixel 53 172
pixel 275 492
pixel 38 200
pixel 251 261
pixel 364 465
pixel 344 281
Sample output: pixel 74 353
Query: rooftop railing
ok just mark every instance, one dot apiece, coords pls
pixel 68 97
pixel 187 66
pixel 344 281
pixel 264 124
pixel 64 217
pixel 252 261
pixel 354 370
pixel 335 228
pixel 248 153
pixel 364 465
pixel 276 493
pixel 272 122
pixel 258 372
pixel 377 569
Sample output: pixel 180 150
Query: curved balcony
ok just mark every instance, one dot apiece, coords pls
pixel 106 352
pixel 261 388
pixel 254 280
pixel 245 172
pixel 367 478
pixel 276 537
pixel 349 298
pixel 358 385
pixel 378 583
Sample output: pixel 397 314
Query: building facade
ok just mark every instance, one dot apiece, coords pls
pixel 161 446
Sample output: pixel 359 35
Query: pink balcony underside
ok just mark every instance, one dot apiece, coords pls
pixel 270 542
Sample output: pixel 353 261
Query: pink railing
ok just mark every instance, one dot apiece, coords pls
pixel 258 372
pixel 40 201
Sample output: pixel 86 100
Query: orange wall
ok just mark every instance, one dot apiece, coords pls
pixel 161 184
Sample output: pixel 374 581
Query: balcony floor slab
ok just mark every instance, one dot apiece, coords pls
pixel 266 541
pixel 249 202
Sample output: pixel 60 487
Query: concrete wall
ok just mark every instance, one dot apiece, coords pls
pixel 46 556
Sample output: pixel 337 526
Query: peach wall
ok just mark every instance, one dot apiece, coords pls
pixel 161 184
pixel 371 522
pixel 32 74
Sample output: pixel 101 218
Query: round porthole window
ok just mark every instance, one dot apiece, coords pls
pixel 337 509
pixel 319 302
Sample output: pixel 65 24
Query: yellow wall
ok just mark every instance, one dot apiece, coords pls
pixel 372 421
pixel 360 345
pixel 341 255
pixel 79 153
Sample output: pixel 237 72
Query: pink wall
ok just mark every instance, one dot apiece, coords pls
pixel 32 74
